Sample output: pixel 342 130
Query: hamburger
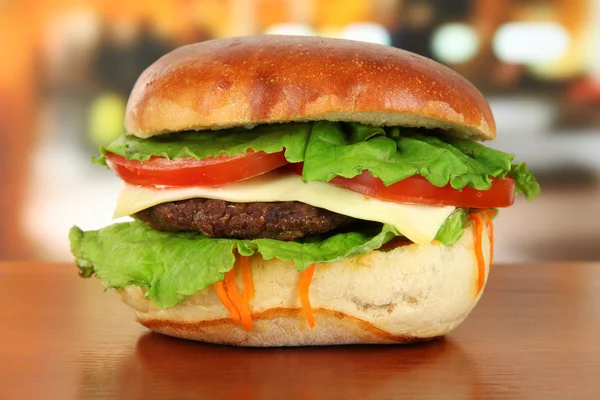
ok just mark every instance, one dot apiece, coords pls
pixel 290 191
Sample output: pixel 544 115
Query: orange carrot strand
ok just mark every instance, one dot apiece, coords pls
pixel 490 228
pixel 478 224
pixel 224 297
pixel 236 299
pixel 306 277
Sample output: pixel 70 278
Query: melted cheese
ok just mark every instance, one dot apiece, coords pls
pixel 417 222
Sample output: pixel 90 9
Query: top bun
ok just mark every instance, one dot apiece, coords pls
pixel 262 79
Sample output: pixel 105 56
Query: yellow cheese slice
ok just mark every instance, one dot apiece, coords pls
pixel 417 222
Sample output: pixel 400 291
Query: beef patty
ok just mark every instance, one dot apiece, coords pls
pixel 222 219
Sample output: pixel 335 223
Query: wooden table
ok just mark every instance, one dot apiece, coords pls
pixel 535 334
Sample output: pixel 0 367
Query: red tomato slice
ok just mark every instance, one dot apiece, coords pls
pixel 419 190
pixel 191 172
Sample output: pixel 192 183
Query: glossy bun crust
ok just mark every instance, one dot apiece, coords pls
pixel 273 79
pixel 408 294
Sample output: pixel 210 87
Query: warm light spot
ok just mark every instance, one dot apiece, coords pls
pixel 455 43
pixel 366 32
pixel 530 42
pixel 290 29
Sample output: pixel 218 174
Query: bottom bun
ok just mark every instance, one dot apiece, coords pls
pixel 407 294
pixel 282 327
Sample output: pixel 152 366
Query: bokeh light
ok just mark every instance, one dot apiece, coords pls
pixel 366 32
pixel 455 43
pixel 530 42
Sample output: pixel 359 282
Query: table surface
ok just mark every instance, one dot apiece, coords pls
pixel 534 334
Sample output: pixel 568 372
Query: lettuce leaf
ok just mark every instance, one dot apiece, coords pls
pixel 330 249
pixel 453 227
pixel 268 138
pixel 171 266
pixel 335 149
pixel 330 149
pixel 525 181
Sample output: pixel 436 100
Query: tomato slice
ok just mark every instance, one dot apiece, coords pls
pixel 418 190
pixel 212 171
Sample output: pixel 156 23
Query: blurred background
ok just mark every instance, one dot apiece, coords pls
pixel 68 67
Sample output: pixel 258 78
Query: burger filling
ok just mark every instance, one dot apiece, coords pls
pixel 286 221
pixel 307 193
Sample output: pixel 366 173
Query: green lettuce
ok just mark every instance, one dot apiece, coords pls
pixel 525 181
pixel 171 266
pixel 453 227
pixel 394 154
pixel 268 138
pixel 330 149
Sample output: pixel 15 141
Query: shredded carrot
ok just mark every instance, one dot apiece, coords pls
pixel 236 299
pixel 228 293
pixel 477 221
pixel 490 228
pixel 224 297
pixel 303 289
pixel 491 212
pixel 247 277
